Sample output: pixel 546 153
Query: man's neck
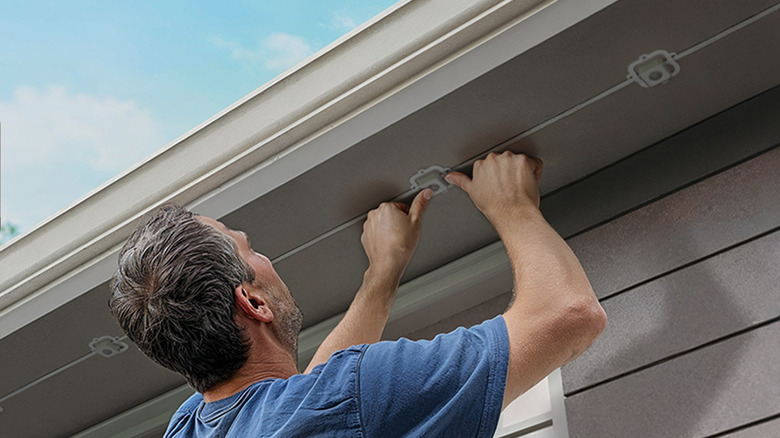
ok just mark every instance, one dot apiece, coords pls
pixel 242 380
pixel 268 361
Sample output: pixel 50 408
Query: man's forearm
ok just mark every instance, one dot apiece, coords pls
pixel 547 274
pixel 553 299
pixel 390 235
pixel 366 317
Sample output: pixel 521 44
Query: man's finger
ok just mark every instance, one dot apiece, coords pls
pixel 459 179
pixel 420 203
pixel 401 206
pixel 539 166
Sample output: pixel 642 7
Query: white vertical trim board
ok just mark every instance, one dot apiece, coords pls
pixel 547 418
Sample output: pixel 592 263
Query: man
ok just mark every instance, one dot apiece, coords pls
pixel 196 298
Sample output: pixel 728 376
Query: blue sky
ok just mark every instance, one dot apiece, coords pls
pixel 88 88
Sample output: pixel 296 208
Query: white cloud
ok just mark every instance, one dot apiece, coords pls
pixel 57 146
pixel 53 125
pixel 277 52
pixel 348 18
pixel 342 21
pixel 285 51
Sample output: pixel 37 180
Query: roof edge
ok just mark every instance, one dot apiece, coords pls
pixel 257 128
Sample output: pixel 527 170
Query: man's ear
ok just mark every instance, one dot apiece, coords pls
pixel 252 304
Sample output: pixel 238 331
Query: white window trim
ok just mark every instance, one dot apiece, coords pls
pixel 551 424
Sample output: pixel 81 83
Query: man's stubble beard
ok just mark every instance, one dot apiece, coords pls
pixel 288 321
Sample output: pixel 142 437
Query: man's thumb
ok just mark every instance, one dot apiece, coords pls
pixel 459 179
pixel 420 203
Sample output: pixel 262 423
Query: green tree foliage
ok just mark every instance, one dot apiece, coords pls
pixel 7 231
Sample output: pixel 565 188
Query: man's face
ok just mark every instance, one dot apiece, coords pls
pixel 287 315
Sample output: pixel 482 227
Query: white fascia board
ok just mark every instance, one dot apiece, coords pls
pixel 405 60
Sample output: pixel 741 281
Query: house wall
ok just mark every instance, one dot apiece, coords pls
pixel 691 285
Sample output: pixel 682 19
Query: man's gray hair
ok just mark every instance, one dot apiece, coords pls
pixel 173 294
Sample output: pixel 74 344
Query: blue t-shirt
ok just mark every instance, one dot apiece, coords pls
pixel 452 386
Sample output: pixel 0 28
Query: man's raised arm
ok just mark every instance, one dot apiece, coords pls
pixel 554 315
pixel 390 236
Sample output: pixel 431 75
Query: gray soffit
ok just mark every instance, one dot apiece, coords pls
pixel 564 97
pixel 487 111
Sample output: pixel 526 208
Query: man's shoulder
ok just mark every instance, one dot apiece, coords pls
pixel 492 332
pixel 274 401
pixel 341 358
pixel 190 405
pixel 430 387
pixel 444 361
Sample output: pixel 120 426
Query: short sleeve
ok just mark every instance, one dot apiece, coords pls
pixel 452 386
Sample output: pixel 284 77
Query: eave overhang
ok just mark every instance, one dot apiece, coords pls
pixel 409 56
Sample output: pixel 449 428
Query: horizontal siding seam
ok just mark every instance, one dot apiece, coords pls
pixel 745 426
pixel 661 196
pixel 665 139
pixel 675 356
pixel 691 263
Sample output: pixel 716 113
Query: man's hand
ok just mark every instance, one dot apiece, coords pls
pixel 390 236
pixel 502 185
pixel 391 233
